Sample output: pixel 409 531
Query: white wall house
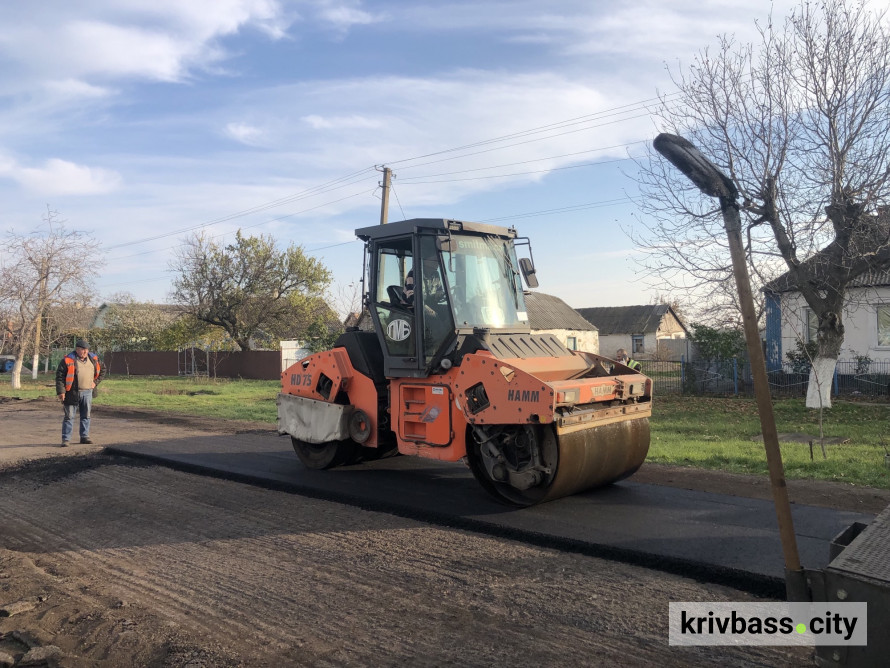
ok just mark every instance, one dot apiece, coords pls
pixel 643 331
pixel 551 315
pixel 866 319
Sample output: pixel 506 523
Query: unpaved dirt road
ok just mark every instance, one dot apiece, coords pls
pixel 106 561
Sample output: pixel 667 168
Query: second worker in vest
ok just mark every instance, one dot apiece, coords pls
pixel 77 376
pixel 624 358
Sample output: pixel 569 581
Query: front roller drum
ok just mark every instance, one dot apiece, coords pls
pixel 602 455
pixel 525 465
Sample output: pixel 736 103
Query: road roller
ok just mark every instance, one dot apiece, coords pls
pixel 446 367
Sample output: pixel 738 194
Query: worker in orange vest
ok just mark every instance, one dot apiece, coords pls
pixel 77 376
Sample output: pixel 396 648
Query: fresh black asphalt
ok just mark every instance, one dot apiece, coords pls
pixel 712 537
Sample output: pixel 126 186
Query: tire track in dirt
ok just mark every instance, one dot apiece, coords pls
pixel 271 578
pixel 163 591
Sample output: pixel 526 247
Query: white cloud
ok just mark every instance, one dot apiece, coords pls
pixel 244 133
pixel 340 122
pixel 115 51
pixel 61 177
pixel 73 88
pixel 343 16
pixel 162 40
pixel 415 116
pixel 636 30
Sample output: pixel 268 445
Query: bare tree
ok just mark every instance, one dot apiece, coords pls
pixel 249 288
pixel 347 298
pixel 801 123
pixel 43 269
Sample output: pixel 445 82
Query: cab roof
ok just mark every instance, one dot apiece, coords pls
pixel 414 225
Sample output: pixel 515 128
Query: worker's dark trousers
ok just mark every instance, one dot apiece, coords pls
pixel 84 405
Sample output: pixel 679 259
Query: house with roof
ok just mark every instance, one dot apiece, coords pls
pixel 643 331
pixel 866 318
pixel 551 315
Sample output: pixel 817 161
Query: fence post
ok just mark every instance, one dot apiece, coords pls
pixel 682 373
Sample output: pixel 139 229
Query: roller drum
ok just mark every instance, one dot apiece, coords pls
pixel 570 460
pixel 598 455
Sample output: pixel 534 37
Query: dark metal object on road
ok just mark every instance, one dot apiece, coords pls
pixel 859 571
pixel 714 183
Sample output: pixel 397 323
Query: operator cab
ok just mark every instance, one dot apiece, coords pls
pixel 433 283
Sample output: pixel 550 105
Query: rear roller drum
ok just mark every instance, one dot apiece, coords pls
pixel 325 455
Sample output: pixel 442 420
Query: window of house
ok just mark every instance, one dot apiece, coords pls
pixel 812 324
pixel 636 344
pixel 884 325
pixel 572 342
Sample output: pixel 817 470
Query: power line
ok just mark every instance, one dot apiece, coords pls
pixel 516 216
pixel 529 141
pixel 336 184
pixel 632 106
pixel 538 171
pixel 245 227
pixel 527 162
pixel 354 177
pixel 398 201
pixel 564 209
pixel 158 278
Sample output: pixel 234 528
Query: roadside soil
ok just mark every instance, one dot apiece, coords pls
pixel 108 561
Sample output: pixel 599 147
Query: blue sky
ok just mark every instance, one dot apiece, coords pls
pixel 138 121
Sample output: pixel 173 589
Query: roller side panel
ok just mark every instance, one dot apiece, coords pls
pixel 427 421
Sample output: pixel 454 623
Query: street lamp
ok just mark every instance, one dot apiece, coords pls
pixel 714 183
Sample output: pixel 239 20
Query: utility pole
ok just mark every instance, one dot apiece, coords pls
pixel 384 201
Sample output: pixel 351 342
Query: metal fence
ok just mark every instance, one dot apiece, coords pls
pixel 733 378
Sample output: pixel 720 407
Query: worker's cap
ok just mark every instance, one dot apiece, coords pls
pixel 81 343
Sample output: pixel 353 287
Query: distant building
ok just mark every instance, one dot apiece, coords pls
pixel 866 310
pixel 359 320
pixel 551 315
pixel 866 318
pixel 643 331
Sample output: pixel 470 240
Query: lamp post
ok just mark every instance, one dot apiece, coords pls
pixel 714 183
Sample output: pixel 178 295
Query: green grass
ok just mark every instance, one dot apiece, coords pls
pixel 716 433
pixel 711 433
pixel 206 397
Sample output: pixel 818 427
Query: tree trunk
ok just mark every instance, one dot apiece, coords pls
pixel 821 377
pixel 16 375
pixel 830 338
